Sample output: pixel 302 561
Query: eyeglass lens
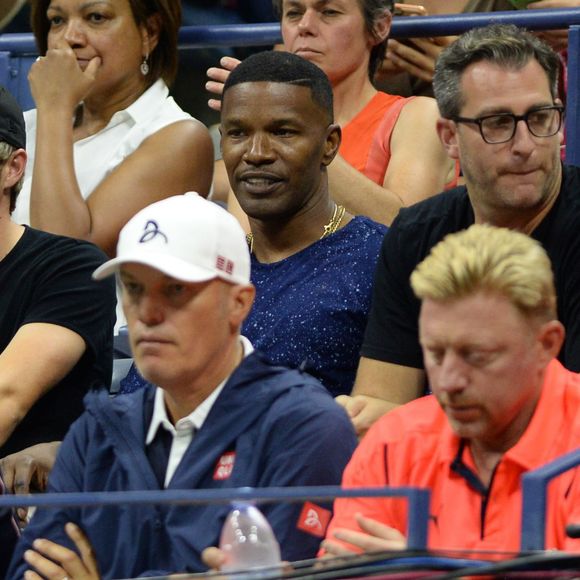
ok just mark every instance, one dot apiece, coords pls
pixel 541 123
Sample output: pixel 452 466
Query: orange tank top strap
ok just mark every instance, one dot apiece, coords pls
pixel 361 135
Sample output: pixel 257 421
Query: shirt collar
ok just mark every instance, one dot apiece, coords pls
pixel 143 107
pixel 197 417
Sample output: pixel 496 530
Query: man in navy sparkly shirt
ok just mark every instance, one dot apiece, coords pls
pixel 312 262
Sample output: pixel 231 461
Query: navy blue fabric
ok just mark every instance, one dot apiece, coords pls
pixel 132 382
pixel 158 453
pixel 8 535
pixel 283 426
pixel 311 308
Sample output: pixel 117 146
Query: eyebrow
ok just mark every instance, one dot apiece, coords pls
pixel 317 4
pixel 83 6
pixel 270 125
pixel 504 110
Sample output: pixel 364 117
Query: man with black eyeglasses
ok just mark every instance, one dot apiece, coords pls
pixel 496 88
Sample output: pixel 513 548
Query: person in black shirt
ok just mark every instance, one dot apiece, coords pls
pixel 496 88
pixel 56 329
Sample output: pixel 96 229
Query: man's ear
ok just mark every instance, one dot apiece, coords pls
pixel 13 169
pixel 561 131
pixel 447 131
pixel 242 299
pixel 550 339
pixel 333 139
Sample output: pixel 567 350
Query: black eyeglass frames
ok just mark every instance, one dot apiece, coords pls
pixel 501 127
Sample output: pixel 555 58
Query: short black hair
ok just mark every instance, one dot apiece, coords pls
pixel 283 67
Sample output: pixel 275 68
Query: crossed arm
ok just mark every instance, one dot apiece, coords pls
pixel 36 359
pixel 51 560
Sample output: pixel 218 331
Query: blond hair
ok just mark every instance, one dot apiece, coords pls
pixel 487 258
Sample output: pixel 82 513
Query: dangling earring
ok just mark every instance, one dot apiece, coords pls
pixel 144 68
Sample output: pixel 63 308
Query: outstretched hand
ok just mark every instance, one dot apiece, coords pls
pixel 53 561
pixel 218 76
pixel 417 56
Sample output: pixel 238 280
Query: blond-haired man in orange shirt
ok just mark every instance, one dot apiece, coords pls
pixel 501 405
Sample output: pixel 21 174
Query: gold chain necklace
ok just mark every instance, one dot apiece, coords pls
pixel 329 228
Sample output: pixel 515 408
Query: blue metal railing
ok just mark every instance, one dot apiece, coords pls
pixel 534 502
pixel 418 500
pixel 265 34
pixel 17 51
pixel 448 24
pixel 573 100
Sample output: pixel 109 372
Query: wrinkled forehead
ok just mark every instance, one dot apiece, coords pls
pixel 488 86
pixel 482 315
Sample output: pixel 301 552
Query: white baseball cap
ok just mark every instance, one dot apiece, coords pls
pixel 185 237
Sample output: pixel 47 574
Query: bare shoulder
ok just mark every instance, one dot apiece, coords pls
pixel 185 132
pixel 173 160
pixel 417 111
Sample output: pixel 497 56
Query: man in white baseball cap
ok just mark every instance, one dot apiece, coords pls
pixel 216 414
pixel 185 238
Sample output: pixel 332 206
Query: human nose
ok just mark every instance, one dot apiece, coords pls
pixel 150 312
pixel 451 376
pixel 259 150
pixel 307 23
pixel 74 33
pixel 523 141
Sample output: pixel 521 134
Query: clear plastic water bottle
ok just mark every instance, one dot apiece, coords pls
pixel 247 540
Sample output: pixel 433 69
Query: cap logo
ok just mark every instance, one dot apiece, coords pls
pixel 224 265
pixel 151 231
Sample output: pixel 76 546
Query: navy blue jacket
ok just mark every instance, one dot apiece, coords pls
pixel 8 535
pixel 283 426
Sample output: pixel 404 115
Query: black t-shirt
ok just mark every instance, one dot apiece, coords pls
pixel 392 329
pixel 47 278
